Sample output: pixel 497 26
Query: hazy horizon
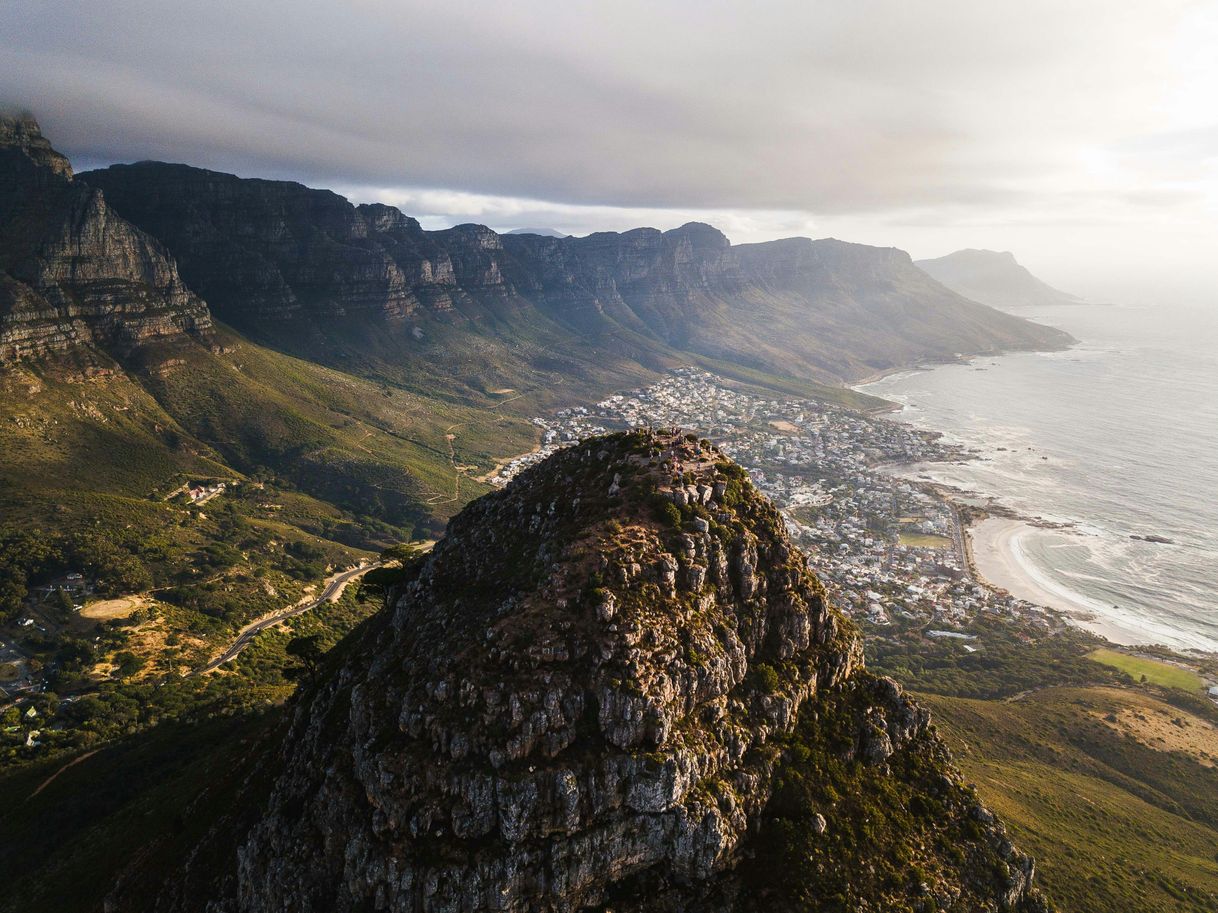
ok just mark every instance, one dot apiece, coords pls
pixel 1082 141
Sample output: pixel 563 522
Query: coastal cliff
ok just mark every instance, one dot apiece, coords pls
pixel 74 275
pixel 614 684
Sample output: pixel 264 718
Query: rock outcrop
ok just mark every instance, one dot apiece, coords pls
pixel 586 697
pixel 73 274
pixel 283 262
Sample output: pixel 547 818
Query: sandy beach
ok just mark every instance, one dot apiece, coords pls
pixel 998 551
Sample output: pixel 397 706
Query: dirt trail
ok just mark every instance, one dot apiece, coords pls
pixel 47 782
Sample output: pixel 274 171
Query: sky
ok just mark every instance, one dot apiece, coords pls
pixel 1081 135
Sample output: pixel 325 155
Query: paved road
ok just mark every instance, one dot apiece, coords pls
pixel 331 591
pixel 958 540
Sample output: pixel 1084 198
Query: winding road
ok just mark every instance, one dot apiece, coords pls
pixel 332 590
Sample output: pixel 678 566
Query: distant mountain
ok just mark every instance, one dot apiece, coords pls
pixel 544 232
pixel 305 270
pixel 994 278
pixel 613 685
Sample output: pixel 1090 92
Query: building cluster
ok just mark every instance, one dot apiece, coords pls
pixel 890 549
pixel 201 494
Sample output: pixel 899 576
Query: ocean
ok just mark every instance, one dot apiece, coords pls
pixel 1117 436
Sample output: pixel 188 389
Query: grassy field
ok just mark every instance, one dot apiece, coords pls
pixel 924 540
pixel 1154 671
pixel 1111 789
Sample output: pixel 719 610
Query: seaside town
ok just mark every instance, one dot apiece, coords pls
pixel 892 550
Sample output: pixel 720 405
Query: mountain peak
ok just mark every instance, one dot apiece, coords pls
pixel 584 696
pixel 382 217
pixel 21 132
pixel 700 234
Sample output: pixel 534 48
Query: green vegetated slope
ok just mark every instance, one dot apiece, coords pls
pixel 370 448
pixel 1113 790
pixel 103 433
pixel 238 412
pixel 1151 670
pixel 322 468
pixel 163 759
pixel 886 830
pixel 1108 781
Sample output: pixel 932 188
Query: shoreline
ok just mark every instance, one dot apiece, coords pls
pixel 1012 551
pixel 962 358
pixel 997 559
pixel 994 538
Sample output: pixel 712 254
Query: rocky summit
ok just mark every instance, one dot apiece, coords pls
pixel 613 685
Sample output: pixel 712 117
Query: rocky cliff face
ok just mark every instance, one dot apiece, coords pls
pixel 599 691
pixel 261 252
pixel 72 273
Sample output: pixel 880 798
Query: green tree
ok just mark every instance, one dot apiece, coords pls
pixel 62 603
pixel 403 552
pixel 128 663
pixel 308 650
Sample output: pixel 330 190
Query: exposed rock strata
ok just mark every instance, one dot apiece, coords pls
pixel 72 273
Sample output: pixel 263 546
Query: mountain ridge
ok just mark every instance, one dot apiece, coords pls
pixel 310 257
